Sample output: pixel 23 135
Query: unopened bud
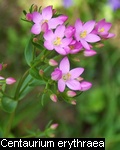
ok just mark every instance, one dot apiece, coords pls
pixel 52 62
pixel 71 93
pixel 29 17
pixel 41 72
pixel 54 126
pixel 76 59
pixel 10 80
pixel 88 53
pixel 35 8
pixel 73 102
pixel 53 97
pixel 35 40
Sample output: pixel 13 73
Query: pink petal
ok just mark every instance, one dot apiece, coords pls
pixel 1 78
pixel 10 80
pixel 63 18
pixel 49 35
pixel 37 17
pixel 107 26
pixel 92 38
pixel 89 26
pixel 60 50
pixel 84 44
pixel 47 13
pixel 59 32
pixel 73 84
pixel 36 29
pixel 76 72
pixel 88 53
pixel 66 41
pixel 110 35
pixel 56 74
pixel 61 85
pixel 64 65
pixel 85 86
pixel 48 45
pixel 44 27
pixel 78 25
pixel 54 22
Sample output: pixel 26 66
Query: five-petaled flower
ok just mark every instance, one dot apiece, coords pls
pixel 67 77
pixel 84 33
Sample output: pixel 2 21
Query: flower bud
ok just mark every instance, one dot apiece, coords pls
pixel 85 85
pixel 29 17
pixel 71 93
pixel 80 78
pixel 53 97
pixel 54 126
pixel 52 62
pixel 73 102
pixel 41 72
pixel 10 80
pixel 35 40
pixel 88 53
pixel 35 8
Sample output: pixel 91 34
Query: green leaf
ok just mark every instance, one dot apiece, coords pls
pixel 29 52
pixel 40 47
pixel 8 104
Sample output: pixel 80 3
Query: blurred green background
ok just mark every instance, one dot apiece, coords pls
pixel 97 113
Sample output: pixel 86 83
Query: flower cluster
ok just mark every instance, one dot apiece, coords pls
pixel 67 40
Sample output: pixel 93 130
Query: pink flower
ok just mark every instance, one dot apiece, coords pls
pixel 67 77
pixel 74 47
pixel 9 80
pixel 29 16
pixel 83 33
pixel 85 85
pixel 56 40
pixel 52 62
pixel 54 126
pixel 44 21
pixel 53 97
pixel 90 52
pixel 102 28
pixel 69 31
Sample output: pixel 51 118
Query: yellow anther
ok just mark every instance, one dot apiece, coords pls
pixel 101 30
pixel 83 34
pixel 57 42
pixel 66 76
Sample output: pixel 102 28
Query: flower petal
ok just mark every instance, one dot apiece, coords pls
pixel 61 85
pixel 48 45
pixel 78 25
pixel 66 41
pixel 84 44
pixel 36 17
pixel 47 13
pixel 64 65
pixel 88 26
pixel 73 84
pixel 54 22
pixel 49 35
pixel 59 32
pixel 76 72
pixel 60 50
pixel 36 29
pixel 92 38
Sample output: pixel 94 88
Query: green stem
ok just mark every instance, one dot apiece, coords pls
pixel 20 84
pixel 9 124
